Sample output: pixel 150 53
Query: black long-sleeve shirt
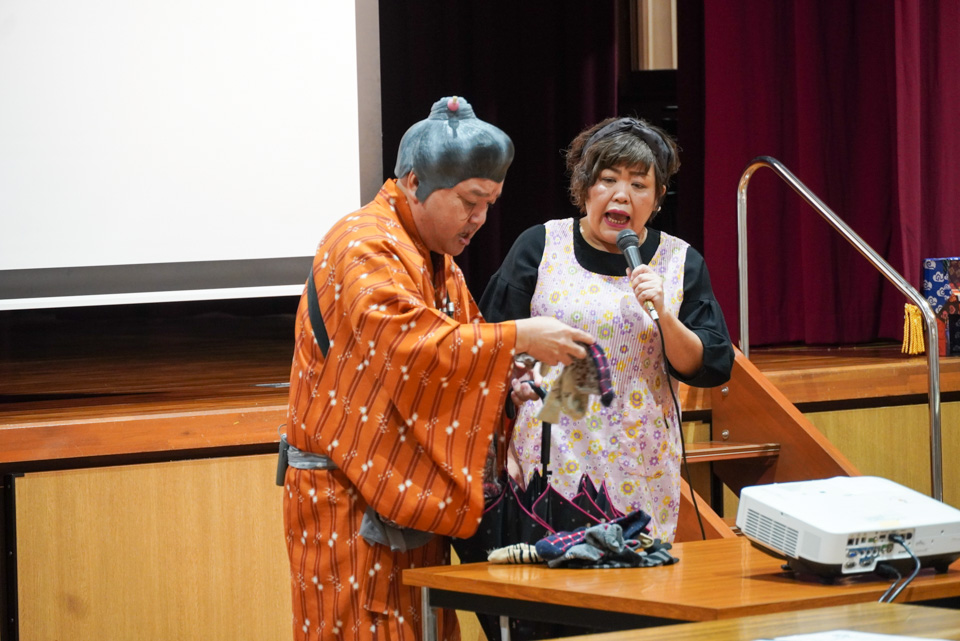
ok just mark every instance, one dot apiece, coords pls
pixel 511 288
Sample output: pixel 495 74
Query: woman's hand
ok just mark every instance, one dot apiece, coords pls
pixel 524 373
pixel 683 347
pixel 647 286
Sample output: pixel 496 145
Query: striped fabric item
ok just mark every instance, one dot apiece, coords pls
pixel 596 353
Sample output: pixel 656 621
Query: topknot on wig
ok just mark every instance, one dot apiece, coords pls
pixel 452 145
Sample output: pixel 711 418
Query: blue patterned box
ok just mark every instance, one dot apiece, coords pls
pixel 941 288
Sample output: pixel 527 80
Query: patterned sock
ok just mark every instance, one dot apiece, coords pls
pixel 556 545
pixel 630 526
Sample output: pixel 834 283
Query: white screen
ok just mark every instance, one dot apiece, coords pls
pixel 172 132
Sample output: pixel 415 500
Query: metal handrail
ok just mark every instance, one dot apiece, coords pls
pixel 930 323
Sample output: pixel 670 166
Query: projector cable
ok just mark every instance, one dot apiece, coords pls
pixel 898 538
pixel 683 445
pixel 886 570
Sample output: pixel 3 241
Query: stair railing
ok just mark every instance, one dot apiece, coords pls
pixel 930 324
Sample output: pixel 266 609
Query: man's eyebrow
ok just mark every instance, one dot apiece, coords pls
pixel 480 193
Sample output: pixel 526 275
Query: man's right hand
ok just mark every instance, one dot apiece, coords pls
pixel 551 341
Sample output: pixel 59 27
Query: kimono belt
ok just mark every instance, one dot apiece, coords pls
pixel 373 527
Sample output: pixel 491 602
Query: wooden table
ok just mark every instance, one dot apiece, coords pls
pixel 716 579
pixel 878 618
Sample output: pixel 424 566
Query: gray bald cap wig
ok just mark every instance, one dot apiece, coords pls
pixel 452 145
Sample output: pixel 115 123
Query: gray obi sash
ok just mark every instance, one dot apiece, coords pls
pixel 373 527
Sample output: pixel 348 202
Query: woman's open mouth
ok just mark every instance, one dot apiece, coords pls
pixel 617 219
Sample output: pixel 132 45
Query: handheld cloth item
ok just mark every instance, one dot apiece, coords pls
pixel 570 394
pixel 622 543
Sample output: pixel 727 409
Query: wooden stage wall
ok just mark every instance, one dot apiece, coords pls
pixel 159 551
pixel 137 464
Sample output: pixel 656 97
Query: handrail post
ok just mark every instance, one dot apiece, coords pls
pixel 930 323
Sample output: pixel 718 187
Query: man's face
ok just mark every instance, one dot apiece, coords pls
pixel 449 218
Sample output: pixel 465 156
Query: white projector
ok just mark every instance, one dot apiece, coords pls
pixel 841 526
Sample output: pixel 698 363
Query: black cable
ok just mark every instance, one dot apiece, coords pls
pixel 683 445
pixel 897 538
pixel 886 570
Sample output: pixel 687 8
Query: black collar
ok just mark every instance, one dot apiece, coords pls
pixel 605 263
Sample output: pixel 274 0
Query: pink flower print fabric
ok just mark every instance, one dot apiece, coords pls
pixel 633 446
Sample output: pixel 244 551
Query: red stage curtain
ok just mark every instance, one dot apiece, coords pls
pixel 857 99
pixel 928 129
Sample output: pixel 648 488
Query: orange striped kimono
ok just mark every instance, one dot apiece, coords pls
pixel 405 404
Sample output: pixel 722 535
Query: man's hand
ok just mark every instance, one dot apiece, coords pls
pixel 551 341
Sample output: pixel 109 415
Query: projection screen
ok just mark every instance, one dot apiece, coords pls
pixel 169 150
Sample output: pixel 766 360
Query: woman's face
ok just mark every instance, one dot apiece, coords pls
pixel 621 199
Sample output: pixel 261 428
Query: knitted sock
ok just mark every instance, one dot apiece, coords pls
pixel 629 526
pixel 556 545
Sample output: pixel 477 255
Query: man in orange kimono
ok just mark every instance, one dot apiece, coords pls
pixel 397 386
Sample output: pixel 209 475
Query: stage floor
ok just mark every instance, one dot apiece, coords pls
pixel 59 368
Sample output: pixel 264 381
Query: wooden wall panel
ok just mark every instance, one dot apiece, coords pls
pixel 891 442
pixel 179 550
pixel 894 442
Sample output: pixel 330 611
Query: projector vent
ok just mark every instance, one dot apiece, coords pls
pixel 771 533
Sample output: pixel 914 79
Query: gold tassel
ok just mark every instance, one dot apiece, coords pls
pixel 912 330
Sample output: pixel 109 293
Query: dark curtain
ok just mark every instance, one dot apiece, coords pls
pixel 541 71
pixel 927 40
pixel 857 99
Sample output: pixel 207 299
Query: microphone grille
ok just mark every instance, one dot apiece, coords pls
pixel 627 238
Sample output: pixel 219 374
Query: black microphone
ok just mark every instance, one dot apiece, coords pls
pixel 629 243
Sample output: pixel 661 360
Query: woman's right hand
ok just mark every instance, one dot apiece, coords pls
pixel 550 341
